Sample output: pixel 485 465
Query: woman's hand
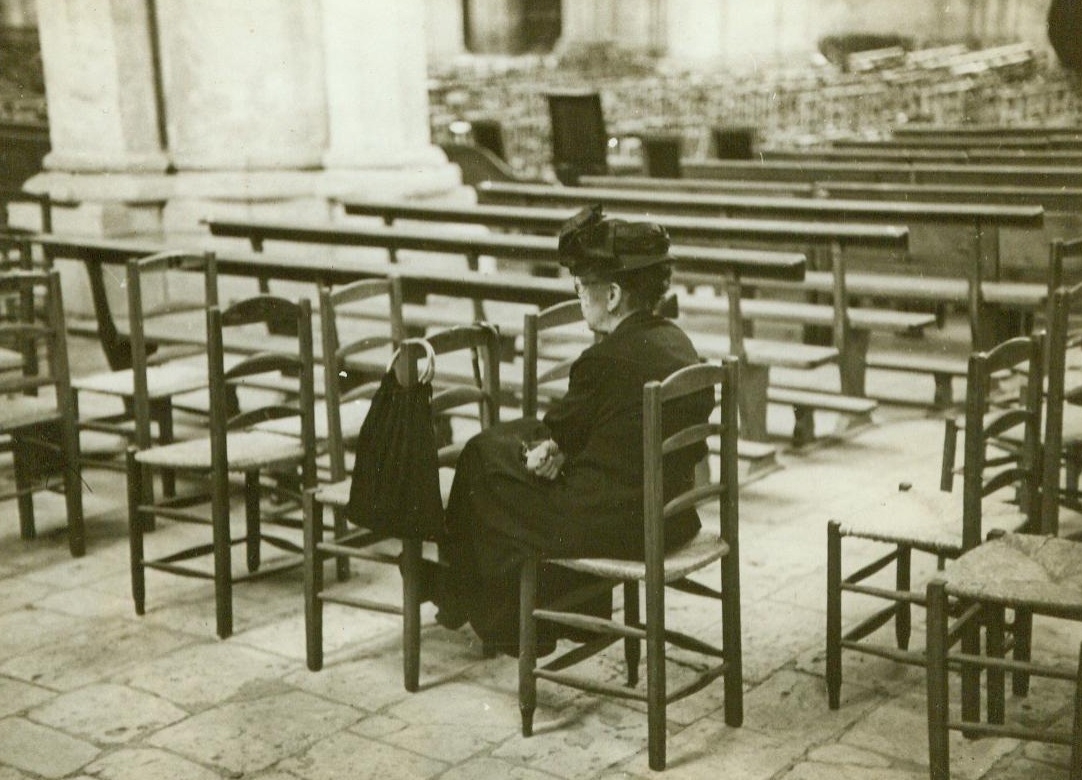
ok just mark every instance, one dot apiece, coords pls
pixel 545 460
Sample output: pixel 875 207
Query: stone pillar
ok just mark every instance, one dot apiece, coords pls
pixel 694 30
pixel 445 32
pixel 243 84
pixel 98 64
pixel 376 82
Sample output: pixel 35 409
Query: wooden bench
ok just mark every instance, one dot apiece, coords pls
pixel 728 266
pixel 987 323
pixel 514 288
pixel 869 171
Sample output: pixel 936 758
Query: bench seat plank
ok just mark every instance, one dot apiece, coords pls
pixel 812 314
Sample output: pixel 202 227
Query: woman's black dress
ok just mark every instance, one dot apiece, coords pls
pixel 498 512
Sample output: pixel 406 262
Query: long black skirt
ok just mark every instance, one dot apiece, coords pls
pixel 499 513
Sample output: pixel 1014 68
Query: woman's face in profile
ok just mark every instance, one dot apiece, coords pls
pixel 593 298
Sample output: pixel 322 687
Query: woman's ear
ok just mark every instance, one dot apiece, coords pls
pixel 616 297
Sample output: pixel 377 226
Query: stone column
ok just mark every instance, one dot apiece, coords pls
pixel 98 64
pixel 243 84
pixel 376 82
pixel 445 33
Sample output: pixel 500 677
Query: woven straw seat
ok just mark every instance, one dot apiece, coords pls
pixel 928 520
pixel 336 494
pixel 703 549
pixel 19 411
pixel 162 381
pixel 247 450
pixel 353 414
pixel 1041 572
pixel 10 360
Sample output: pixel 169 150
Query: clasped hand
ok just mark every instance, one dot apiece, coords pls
pixel 544 459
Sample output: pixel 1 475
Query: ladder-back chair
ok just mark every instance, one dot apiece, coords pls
pixel 481 342
pixel 233 446
pixel 661 569
pixel 37 413
pixel 944 524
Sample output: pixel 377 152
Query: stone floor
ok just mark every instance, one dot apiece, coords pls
pixel 88 689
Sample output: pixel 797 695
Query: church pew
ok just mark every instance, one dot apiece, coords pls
pixel 731 266
pixel 851 325
pixel 96 254
pixel 870 171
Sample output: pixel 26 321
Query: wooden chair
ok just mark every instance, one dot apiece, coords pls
pixel 41 426
pixel 482 342
pixel 155 377
pixel 661 569
pixel 941 523
pixel 1029 574
pixel 232 447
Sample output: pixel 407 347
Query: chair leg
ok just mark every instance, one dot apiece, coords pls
pixel 971 675
pixel 632 646
pixel 655 673
pixel 252 518
pixel 313 581
pixel 938 684
pixel 411 613
pixel 1022 630
pixel 834 615
pixel 527 651
pixel 24 484
pixel 341 561
pixel 73 490
pixel 223 568
pixel 135 531
pixel 1076 730
pixel 163 413
pixel 903 612
pixel 732 641
pixel 995 628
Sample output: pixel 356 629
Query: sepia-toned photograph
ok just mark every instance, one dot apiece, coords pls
pixel 540 389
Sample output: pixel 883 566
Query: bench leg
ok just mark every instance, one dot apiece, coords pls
pixel 853 367
pixel 804 425
pixel 753 383
pixel 944 396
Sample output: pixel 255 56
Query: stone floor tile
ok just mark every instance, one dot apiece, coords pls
pixel 370 677
pixel 19 591
pixel 493 769
pixel 42 750
pixel 861 670
pixel 74 572
pixel 24 630
pixel 452 743
pixel 343 629
pixel 225 671
pixel 460 702
pixel 252 735
pixel 378 726
pixel 92 654
pixel 581 741
pixel 837 753
pixel 11 773
pixel 812 770
pixel 774 633
pixel 1021 767
pixel 16 696
pixel 148 764
pixel 107 714
pixel 85 601
pixel 791 705
pixel 898 729
pixel 707 750
pixel 348 755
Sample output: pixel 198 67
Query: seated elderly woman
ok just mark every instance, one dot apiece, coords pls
pixel 571 485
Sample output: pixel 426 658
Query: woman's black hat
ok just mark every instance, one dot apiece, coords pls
pixel 590 242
